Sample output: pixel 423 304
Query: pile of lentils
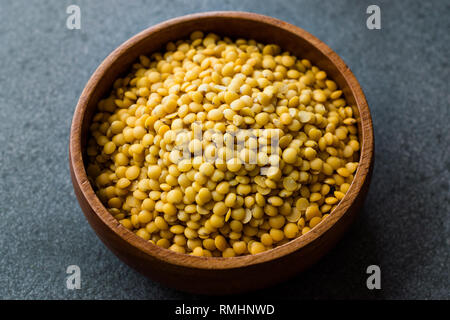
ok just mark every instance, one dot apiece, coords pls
pixel 277 151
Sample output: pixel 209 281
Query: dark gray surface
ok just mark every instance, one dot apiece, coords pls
pixel 403 69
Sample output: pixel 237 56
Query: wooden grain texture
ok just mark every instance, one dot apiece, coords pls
pixel 206 274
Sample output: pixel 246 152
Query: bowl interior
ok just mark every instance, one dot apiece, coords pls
pixel 224 24
pixel 234 25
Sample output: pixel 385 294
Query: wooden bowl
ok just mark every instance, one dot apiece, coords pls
pixel 206 274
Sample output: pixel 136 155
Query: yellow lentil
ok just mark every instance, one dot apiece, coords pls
pixel 290 168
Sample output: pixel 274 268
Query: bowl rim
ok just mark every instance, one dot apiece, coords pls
pixel 185 260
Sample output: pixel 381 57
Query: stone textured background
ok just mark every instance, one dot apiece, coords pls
pixel 403 69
